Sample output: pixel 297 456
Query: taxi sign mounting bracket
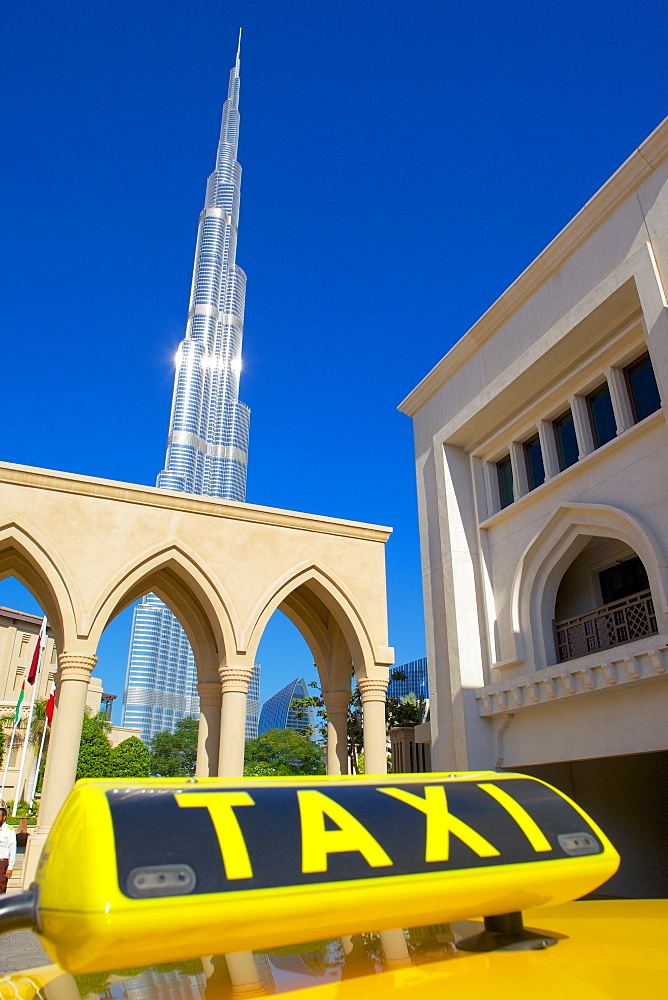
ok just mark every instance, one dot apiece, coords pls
pixel 506 932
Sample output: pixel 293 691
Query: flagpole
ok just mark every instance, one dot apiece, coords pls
pixel 9 754
pixel 39 762
pixel 41 643
pixel 48 715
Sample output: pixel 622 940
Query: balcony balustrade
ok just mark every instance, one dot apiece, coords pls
pixel 611 625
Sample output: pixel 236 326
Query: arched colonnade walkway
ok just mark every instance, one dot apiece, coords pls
pixel 87 548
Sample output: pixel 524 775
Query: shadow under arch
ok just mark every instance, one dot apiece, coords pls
pixel 551 552
pixel 199 603
pixel 26 556
pixel 327 617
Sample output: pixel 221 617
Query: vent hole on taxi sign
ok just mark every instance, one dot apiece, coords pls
pixel 160 880
pixel 579 843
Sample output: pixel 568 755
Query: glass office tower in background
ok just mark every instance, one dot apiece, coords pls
pixel 207 447
pixel 253 703
pixel 278 713
pixel 415 680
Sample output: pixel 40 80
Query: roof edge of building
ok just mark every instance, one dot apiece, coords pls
pixel 639 165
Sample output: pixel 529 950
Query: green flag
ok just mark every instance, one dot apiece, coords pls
pixel 17 713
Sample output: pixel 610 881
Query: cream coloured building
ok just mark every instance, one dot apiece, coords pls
pixel 541 450
pixel 18 635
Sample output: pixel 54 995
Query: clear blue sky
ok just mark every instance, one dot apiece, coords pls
pixel 404 161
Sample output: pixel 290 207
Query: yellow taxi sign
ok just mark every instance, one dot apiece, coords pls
pixel 167 867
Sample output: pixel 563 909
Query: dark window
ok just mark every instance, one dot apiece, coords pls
pixel 623 580
pixel 505 475
pixel 533 458
pixel 643 389
pixel 567 443
pixel 602 416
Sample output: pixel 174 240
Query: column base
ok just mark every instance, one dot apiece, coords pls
pixel 36 842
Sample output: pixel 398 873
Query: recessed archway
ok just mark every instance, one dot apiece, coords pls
pixel 604 599
pixel 28 557
pixel 548 557
pixel 333 627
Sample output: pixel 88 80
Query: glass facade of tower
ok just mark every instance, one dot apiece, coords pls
pixel 416 680
pixel 253 703
pixel 277 712
pixel 207 446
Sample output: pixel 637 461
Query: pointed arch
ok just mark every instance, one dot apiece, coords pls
pixel 196 598
pixel 25 555
pixel 550 553
pixel 323 610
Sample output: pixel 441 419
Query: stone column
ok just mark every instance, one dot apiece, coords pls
pixel 519 467
pixel 373 692
pixel 548 446
pixel 244 975
pixel 336 703
pixel 72 680
pixel 619 394
pixel 208 736
pixel 62 988
pixel 235 682
pixel 74 670
pixel 395 949
pixel 582 421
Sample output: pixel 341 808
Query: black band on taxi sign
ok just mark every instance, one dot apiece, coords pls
pixel 198 840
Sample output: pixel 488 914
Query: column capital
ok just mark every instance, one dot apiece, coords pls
pixel 76 666
pixel 235 678
pixel 336 701
pixel 372 688
pixel 210 693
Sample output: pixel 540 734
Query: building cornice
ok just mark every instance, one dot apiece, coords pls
pixel 150 496
pixel 23 617
pixel 600 206
pixel 637 662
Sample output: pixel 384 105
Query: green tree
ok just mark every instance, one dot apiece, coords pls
pixel 36 728
pixel 407 711
pixel 283 751
pixel 130 759
pixel 94 750
pixel 173 755
pixel 299 705
pixel 38 723
pixel 6 723
pixel 355 730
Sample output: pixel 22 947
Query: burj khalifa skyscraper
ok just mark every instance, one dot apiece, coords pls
pixel 207 447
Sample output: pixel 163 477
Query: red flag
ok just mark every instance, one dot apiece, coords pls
pixel 39 646
pixel 48 711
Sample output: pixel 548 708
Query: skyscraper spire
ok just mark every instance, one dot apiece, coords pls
pixel 207 448
pixel 207 445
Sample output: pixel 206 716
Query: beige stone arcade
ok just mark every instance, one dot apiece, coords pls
pixel 87 548
pixel 18 635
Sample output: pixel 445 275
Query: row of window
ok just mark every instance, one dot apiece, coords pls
pixel 28 646
pixel 642 394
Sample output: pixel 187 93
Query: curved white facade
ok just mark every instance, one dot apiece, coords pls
pixel 541 444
